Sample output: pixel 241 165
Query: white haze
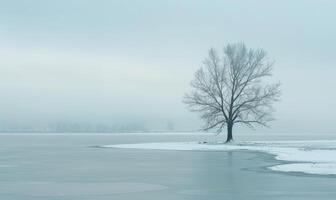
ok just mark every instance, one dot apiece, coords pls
pixel 119 62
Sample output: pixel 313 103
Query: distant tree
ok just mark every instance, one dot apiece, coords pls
pixel 170 126
pixel 231 89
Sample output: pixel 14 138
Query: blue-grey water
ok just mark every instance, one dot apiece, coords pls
pixel 70 167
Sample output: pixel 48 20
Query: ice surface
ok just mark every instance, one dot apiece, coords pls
pixel 313 157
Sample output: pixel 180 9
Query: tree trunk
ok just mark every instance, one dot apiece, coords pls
pixel 229 132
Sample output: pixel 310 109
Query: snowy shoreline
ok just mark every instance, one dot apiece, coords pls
pixel 311 157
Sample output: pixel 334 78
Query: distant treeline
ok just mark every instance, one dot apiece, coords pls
pixel 72 127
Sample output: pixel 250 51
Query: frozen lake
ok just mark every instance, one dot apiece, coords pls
pixel 69 167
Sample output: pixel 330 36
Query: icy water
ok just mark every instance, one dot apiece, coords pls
pixel 70 167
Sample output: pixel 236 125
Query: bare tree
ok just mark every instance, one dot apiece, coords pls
pixel 233 89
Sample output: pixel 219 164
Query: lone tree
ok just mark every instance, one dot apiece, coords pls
pixel 233 88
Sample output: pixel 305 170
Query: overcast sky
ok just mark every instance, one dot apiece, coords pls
pixel 120 61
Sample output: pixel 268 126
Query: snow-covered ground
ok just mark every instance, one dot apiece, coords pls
pixel 313 157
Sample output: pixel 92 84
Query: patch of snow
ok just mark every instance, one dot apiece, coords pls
pixel 311 168
pixel 313 157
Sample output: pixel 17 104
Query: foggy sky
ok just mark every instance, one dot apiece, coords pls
pixel 122 61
